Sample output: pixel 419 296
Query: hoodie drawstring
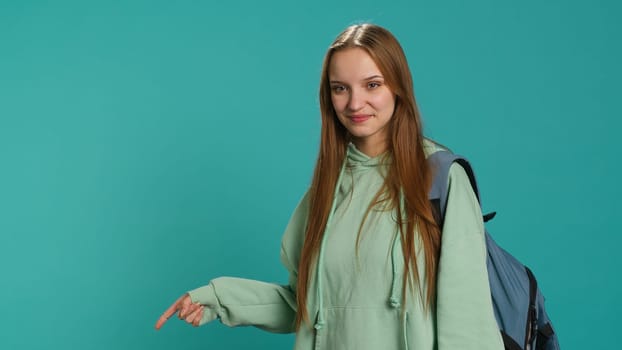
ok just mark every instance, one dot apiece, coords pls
pixel 320 317
pixel 394 301
pixel 396 255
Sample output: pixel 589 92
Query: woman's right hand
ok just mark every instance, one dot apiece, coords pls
pixel 185 309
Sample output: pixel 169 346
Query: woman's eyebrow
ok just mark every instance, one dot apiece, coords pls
pixel 364 79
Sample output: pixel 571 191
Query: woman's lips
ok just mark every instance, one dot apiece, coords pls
pixel 359 118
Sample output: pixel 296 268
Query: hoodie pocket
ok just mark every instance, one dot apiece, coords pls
pixel 361 328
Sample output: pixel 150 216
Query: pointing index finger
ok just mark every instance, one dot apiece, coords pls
pixel 170 312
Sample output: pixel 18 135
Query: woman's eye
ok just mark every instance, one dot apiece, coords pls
pixel 338 88
pixel 373 85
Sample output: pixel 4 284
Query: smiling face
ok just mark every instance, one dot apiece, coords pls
pixel 363 102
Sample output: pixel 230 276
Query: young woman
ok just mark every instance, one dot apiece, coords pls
pixel 369 267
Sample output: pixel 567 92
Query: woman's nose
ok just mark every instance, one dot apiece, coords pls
pixel 356 101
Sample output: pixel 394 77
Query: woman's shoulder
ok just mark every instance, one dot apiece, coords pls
pixel 431 146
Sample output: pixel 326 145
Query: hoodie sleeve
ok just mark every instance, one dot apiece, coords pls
pixel 465 316
pixel 245 302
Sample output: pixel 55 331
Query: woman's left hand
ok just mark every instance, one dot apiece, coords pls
pixel 185 309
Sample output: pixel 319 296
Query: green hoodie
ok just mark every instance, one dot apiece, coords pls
pixel 354 298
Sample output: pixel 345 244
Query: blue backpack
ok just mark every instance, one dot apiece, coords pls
pixel 517 301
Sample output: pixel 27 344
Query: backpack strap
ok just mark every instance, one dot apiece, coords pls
pixel 532 316
pixel 441 161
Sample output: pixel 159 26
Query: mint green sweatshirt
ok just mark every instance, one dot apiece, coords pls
pixel 355 299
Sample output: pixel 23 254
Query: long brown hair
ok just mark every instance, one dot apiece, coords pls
pixel 408 176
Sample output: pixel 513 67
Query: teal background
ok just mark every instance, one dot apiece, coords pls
pixel 149 146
